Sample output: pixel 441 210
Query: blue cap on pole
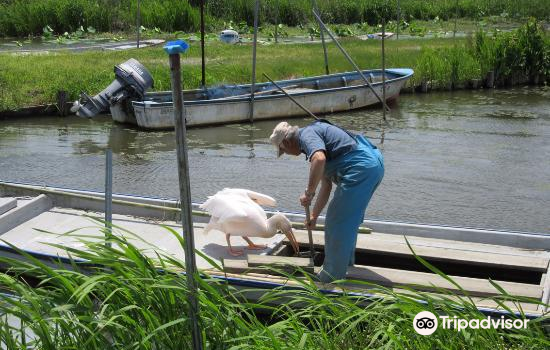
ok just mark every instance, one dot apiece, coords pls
pixel 176 47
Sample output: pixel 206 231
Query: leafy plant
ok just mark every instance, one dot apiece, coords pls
pixel 122 298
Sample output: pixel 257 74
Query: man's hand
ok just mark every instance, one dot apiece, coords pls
pixel 310 225
pixel 305 198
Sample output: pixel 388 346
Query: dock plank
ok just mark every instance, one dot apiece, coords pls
pixel 368 243
pixel 287 262
pixel 262 264
pixel 461 245
pixel 6 204
pixel 24 213
pixel 480 301
pixel 476 286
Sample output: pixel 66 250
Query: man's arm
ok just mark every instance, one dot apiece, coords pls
pixel 316 171
pixel 322 199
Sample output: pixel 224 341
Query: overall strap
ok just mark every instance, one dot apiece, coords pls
pixel 352 135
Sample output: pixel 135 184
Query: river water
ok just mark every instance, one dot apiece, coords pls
pixel 468 158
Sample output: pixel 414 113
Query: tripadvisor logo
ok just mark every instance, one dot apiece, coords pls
pixel 425 323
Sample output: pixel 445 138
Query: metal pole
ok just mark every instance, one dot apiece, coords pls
pixel 398 17
pixel 174 49
pixel 276 21
pixel 203 76
pixel 316 9
pixel 310 237
pixel 456 17
pixel 292 98
pixel 253 85
pixel 138 22
pixel 383 65
pixel 108 195
pixel 350 60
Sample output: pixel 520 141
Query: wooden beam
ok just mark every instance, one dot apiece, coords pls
pixel 475 286
pixel 369 244
pixel 260 265
pixel 281 261
pixel 545 284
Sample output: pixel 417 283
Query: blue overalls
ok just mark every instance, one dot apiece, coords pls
pixel 357 174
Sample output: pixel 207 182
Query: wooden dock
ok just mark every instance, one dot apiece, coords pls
pixel 381 258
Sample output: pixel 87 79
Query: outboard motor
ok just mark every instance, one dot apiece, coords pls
pixel 132 80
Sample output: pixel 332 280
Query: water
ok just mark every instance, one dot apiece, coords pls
pixel 475 159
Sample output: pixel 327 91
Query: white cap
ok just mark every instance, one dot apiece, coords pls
pixel 278 136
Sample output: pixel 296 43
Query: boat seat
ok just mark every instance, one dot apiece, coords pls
pixel 371 78
pixel 344 81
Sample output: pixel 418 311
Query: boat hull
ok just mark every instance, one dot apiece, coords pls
pixel 320 95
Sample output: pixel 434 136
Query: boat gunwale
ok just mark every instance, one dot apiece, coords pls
pixel 405 75
pixel 38 187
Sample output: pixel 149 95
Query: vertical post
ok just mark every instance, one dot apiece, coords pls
pixel 350 60
pixel 254 44
pixel 384 63
pixel 398 17
pixel 456 17
pixel 108 195
pixel 61 102
pixel 322 33
pixel 203 66
pixel 276 21
pixel 174 48
pixel 138 20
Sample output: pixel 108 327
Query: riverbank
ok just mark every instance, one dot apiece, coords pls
pixel 31 17
pixel 516 57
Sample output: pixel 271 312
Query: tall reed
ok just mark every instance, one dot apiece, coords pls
pixel 29 17
pixel 124 299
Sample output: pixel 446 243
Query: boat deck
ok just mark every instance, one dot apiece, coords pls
pixel 69 227
pixel 382 258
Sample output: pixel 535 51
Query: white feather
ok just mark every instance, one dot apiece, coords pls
pixel 236 212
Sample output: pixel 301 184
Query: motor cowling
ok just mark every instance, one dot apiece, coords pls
pixel 132 79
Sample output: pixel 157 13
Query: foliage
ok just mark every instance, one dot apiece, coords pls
pixel 28 17
pixel 121 299
pixel 524 51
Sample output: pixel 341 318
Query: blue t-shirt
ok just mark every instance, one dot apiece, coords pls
pixel 326 137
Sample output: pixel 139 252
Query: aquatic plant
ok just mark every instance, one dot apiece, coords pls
pixel 515 56
pixel 24 17
pixel 121 298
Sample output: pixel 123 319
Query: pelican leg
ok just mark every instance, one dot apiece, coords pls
pixel 254 246
pixel 231 250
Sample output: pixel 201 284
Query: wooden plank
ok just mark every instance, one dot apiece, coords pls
pixel 368 244
pixel 235 266
pixel 545 284
pixel 7 204
pixel 241 266
pixel 476 286
pixel 27 211
pixel 472 246
pixel 281 261
pixel 479 301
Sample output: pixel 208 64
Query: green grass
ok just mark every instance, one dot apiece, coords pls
pixel 35 79
pixel 28 17
pixel 124 301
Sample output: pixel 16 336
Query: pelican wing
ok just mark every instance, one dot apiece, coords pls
pixel 261 199
pixel 223 208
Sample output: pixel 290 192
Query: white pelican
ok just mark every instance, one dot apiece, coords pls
pixel 237 212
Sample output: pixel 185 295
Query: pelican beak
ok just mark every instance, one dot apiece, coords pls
pixel 293 242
